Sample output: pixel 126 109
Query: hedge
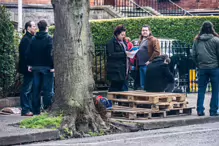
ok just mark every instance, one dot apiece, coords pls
pixel 183 28
pixel 7 53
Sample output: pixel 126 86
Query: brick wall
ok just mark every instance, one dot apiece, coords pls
pixel 202 4
pixel 27 1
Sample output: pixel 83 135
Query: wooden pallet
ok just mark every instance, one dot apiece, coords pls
pixel 143 114
pixel 152 98
pixel 179 111
pixel 174 105
pixel 132 114
pixel 149 105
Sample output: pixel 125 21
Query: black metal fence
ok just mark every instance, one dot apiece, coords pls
pixel 128 8
pixel 165 7
pixel 182 66
pixel 139 8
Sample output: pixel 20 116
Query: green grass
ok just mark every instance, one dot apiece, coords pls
pixel 41 122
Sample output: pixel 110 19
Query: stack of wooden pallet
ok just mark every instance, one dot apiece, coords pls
pixel 145 105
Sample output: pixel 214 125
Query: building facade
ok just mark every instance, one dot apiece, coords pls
pixel 42 9
pixel 186 4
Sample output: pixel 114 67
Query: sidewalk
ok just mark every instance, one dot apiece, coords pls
pixel 10 134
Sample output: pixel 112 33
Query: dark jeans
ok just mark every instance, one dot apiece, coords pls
pixel 126 86
pixel 117 86
pixel 136 76
pixel 25 96
pixel 203 77
pixel 43 80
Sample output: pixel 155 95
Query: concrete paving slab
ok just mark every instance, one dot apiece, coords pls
pixel 10 135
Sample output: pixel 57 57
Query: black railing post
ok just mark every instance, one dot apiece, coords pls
pixel 95 65
pixel 100 70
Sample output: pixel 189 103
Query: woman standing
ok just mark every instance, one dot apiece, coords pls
pixel 206 57
pixel 117 63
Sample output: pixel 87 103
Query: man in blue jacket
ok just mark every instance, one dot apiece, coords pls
pixel 25 96
pixel 40 61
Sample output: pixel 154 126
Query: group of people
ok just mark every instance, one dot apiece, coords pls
pixel 36 66
pixel 150 68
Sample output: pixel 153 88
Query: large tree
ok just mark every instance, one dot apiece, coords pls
pixel 73 67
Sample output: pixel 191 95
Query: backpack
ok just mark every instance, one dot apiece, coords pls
pixel 104 101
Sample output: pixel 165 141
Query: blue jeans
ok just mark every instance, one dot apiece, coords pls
pixel 43 80
pixel 25 96
pixel 143 70
pixel 203 77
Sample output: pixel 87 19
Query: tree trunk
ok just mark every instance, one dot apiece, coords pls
pixel 73 67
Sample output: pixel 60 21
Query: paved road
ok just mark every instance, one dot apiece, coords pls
pixel 193 135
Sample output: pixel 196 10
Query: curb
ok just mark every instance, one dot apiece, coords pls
pixel 28 138
pixel 130 126
pixel 177 123
pixel 134 126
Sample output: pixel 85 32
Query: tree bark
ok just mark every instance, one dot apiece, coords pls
pixel 73 67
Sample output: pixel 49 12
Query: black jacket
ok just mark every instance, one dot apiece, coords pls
pixel 158 76
pixel 116 61
pixel 24 44
pixel 40 51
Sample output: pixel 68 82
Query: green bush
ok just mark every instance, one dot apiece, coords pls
pixel 7 52
pixel 174 27
pixel 181 28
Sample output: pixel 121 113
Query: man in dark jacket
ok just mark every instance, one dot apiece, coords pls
pixel 158 76
pixel 40 61
pixel 25 99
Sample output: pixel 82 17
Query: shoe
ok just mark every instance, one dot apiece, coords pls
pixel 36 114
pixel 48 108
pixel 27 114
pixel 214 114
pixel 201 114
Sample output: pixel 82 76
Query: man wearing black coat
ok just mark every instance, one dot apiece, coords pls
pixel 25 99
pixel 158 76
pixel 40 61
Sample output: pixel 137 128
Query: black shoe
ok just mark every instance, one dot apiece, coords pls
pixel 201 114
pixel 214 114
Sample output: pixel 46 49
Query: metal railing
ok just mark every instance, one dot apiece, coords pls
pixel 181 65
pixel 139 8
pixel 99 67
pixel 184 12
pixel 128 8
pixel 165 7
